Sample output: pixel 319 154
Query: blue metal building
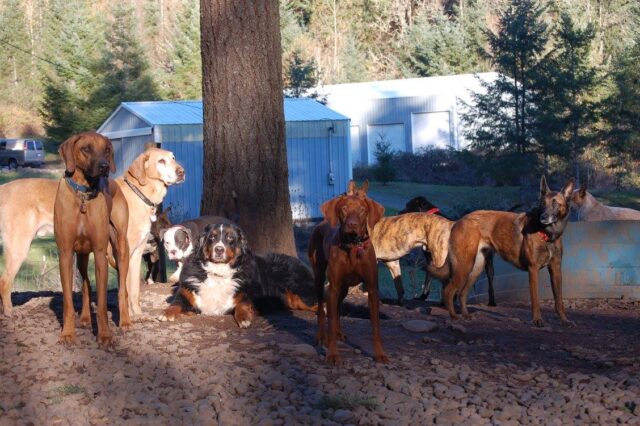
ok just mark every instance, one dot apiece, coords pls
pixel 318 149
pixel 410 114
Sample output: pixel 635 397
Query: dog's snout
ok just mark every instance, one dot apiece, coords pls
pixel 103 166
pixel 352 223
pixel 218 250
pixel 180 172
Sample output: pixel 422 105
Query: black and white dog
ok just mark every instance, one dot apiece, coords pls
pixel 222 276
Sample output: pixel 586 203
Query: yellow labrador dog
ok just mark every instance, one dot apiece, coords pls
pixel 26 211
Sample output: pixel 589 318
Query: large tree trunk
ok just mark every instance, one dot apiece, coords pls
pixel 244 144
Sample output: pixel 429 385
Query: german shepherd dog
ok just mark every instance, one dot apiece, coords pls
pixel 529 241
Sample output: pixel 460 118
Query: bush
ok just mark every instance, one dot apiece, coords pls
pixel 384 171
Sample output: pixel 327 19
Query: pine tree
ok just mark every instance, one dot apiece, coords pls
pixel 503 119
pixel 301 77
pixel 122 71
pixel 567 110
pixel 67 77
pixel 184 66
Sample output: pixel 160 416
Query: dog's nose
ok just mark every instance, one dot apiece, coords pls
pixel 352 224
pixel 103 166
pixel 219 251
pixel 180 172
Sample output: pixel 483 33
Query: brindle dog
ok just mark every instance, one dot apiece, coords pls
pixel 529 241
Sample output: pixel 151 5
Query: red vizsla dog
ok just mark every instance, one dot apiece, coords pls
pixel 340 248
pixel 90 210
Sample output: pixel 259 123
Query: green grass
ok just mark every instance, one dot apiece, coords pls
pixel 346 402
pixel 626 198
pixel 6 176
pixel 453 200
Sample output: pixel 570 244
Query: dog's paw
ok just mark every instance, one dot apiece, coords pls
pixel 382 358
pixel 85 322
pixel 333 359
pixel 68 339
pixel 150 281
pixel 538 322
pixel 164 317
pixel 105 341
pixel 244 323
pixel 566 323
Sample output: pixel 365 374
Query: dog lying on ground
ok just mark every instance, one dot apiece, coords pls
pixel 529 241
pixel 222 276
pixel 88 210
pixel 341 250
pixel 178 240
pixel 589 209
pixel 26 211
pixel 394 237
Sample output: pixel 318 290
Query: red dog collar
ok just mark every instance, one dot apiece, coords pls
pixel 433 211
pixel 543 235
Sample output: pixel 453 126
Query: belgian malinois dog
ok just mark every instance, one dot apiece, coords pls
pixel 529 241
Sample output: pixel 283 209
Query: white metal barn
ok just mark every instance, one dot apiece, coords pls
pixel 318 149
pixel 409 114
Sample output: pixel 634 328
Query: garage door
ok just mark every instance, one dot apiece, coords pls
pixel 391 133
pixel 431 129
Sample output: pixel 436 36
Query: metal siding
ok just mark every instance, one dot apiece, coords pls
pixel 123 120
pixel 126 150
pixel 181 132
pixel 184 199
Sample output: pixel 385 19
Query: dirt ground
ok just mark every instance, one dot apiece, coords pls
pixel 494 369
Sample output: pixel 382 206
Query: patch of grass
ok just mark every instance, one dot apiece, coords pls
pixel 56 395
pixel 8 176
pixel 627 198
pixel 347 402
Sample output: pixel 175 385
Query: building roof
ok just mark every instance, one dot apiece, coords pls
pixel 158 113
pixel 408 87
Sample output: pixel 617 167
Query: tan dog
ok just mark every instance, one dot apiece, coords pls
pixel 144 186
pixel 26 211
pixel 87 204
pixel 340 249
pixel 589 209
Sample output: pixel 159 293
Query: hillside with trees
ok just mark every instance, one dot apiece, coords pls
pixel 569 66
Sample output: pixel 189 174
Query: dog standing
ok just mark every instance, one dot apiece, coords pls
pixel 589 209
pixel 86 204
pixel 341 250
pixel 395 236
pixel 529 241
pixel 151 252
pixel 222 276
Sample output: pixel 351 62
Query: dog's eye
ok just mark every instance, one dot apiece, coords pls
pixel 230 239
pixel 86 148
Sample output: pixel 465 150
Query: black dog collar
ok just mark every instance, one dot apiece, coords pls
pixel 136 190
pixel 85 193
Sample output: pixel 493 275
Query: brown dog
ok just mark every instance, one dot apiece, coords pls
pixel 340 249
pixel 529 241
pixel 86 205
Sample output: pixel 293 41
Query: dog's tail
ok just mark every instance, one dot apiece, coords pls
pixel 442 273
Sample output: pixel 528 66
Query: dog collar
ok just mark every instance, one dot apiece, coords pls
pixel 357 247
pixel 136 190
pixel 433 211
pixel 85 193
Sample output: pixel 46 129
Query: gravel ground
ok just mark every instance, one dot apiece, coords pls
pixel 494 369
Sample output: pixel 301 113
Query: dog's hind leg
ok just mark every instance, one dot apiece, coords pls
pixel 488 269
pixel 82 260
pixel 426 286
pixel 396 274
pixel 471 279
pixel 463 250
pixel 16 248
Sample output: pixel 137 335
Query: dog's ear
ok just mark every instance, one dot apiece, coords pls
pixel 66 152
pixel 112 159
pixel 351 187
pixel 376 211
pixel 138 169
pixel 328 209
pixel 583 190
pixel 568 188
pixel 242 240
pixel 544 188
pixel 365 186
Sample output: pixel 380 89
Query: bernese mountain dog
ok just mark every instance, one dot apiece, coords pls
pixel 222 276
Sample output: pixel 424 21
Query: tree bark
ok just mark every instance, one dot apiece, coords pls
pixel 244 140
